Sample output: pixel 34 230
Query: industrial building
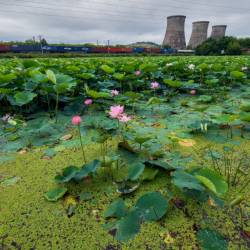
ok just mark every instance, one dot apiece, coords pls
pixel 218 31
pixel 199 34
pixel 175 33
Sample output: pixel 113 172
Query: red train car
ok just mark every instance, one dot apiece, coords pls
pixel 4 48
pixel 112 50
pixel 153 50
pixel 120 50
pixel 99 50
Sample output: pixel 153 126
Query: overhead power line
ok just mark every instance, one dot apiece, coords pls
pixel 72 17
pixel 81 8
pixel 144 5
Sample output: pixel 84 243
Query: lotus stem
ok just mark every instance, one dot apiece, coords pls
pixel 57 100
pixel 80 136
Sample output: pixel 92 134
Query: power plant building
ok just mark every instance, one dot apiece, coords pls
pixel 218 31
pixel 199 34
pixel 175 33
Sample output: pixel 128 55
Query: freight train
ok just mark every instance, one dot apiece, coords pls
pixel 80 49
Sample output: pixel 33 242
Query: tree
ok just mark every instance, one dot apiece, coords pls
pixel 228 45
pixel 233 48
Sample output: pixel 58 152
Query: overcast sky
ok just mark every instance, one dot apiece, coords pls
pixel 120 21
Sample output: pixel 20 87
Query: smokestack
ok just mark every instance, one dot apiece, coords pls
pixel 199 34
pixel 218 31
pixel 175 33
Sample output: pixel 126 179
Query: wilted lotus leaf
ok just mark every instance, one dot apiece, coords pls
pixel 187 142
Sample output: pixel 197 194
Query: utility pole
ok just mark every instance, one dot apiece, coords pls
pixel 40 40
pixel 108 46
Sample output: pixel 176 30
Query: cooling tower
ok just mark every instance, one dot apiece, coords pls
pixel 218 31
pixel 175 33
pixel 199 34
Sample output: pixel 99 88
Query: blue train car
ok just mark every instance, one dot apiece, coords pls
pixel 168 51
pixel 65 49
pixel 25 48
pixel 138 50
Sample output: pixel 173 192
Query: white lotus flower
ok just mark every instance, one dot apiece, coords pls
pixel 191 66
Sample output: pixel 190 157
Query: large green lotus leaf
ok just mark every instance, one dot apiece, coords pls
pixel 245 106
pixel 154 100
pixel 68 174
pixel 142 138
pixel 201 196
pixel 55 194
pixel 172 83
pixel 50 152
pixel 217 183
pixel 119 76
pixel 87 76
pixel 160 164
pixel 117 209
pixel 107 69
pixel 184 180
pixel 149 174
pixel 153 206
pixel 132 95
pixel 205 99
pixel 206 182
pixel 51 76
pixel 128 226
pixel 25 97
pixel 148 67
pixel 245 116
pixel 211 240
pixel 86 170
pixel 12 146
pixel 37 77
pixel 97 95
pixel 237 75
pixel 135 171
pixel 224 119
pixel 29 63
pixel 7 78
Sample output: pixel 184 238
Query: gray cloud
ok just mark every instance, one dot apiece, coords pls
pixel 119 21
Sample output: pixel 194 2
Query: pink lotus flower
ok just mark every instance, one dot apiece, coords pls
pixel 193 92
pixel 116 111
pixel 138 73
pixel 124 118
pixel 88 102
pixel 155 85
pixel 114 92
pixel 76 120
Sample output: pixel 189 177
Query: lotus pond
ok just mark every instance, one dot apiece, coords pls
pixel 125 153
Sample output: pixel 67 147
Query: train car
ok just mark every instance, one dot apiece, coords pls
pixel 153 50
pixel 4 48
pixel 168 51
pixel 25 48
pixel 119 50
pixel 99 50
pixel 65 49
pixel 138 50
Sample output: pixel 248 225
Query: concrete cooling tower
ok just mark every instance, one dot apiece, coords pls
pixel 199 34
pixel 218 31
pixel 175 33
